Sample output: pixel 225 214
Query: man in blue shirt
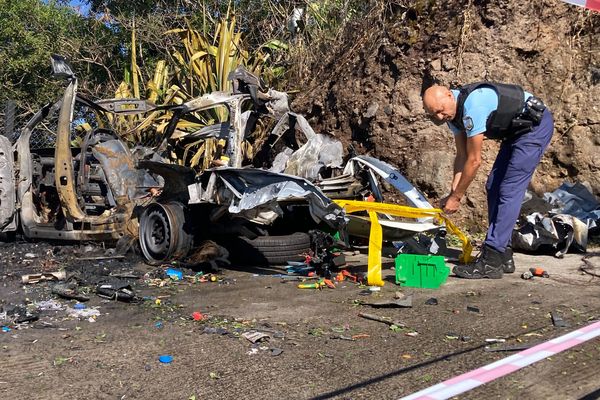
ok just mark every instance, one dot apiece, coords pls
pixel 525 126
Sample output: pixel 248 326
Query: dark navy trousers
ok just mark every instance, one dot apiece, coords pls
pixel 510 176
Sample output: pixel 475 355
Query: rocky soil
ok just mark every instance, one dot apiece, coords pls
pixel 368 92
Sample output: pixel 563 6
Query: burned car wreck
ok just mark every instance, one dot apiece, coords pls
pixel 55 190
pixel 250 191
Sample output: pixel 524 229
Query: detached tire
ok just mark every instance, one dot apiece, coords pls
pixel 268 250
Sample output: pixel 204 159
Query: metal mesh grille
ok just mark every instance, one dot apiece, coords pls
pixel 43 136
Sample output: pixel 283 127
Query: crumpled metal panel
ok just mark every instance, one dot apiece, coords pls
pixel 123 178
pixel 255 195
pixel 576 211
pixel 392 176
pixel 7 187
pixel 576 200
pixel 559 232
pixel 176 179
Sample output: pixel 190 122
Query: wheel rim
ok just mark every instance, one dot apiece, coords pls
pixel 161 233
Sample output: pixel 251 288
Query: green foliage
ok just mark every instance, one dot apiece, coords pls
pixel 30 31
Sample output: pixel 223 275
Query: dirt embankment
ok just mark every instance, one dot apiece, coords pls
pixel 368 91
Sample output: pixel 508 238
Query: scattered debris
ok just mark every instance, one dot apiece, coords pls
pixel 318 285
pixel 342 337
pixel 47 276
pixel 68 291
pixel 526 275
pixel 215 331
pixel 539 272
pixel 360 336
pixel 402 303
pixel 122 292
pixel 255 336
pixel 576 211
pixel 90 313
pixel 473 309
pixel 515 347
pixel 49 305
pixel 276 351
pixel 175 274
pixel 558 321
pixel 197 316
pixel 165 359
pixel 385 320
pixel 495 340
pixel 432 301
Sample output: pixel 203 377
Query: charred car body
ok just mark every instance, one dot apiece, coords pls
pixel 55 190
pixel 97 190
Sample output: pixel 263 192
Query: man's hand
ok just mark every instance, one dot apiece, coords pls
pixel 450 204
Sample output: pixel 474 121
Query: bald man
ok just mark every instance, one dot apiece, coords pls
pixel 524 125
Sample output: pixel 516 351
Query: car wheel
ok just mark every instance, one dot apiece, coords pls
pixel 162 233
pixel 268 250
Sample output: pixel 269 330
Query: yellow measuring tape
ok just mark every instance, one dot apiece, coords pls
pixel 376 234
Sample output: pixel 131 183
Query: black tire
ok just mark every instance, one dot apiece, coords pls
pixel 268 250
pixel 163 234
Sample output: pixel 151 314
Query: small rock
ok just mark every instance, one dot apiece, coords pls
pixel 432 301
pixel 275 352
pixel 436 64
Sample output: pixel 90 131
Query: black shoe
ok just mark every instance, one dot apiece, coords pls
pixel 489 264
pixel 508 265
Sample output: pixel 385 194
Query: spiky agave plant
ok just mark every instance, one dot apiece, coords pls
pixel 200 65
pixel 203 66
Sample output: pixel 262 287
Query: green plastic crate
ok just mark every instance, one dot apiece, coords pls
pixel 419 271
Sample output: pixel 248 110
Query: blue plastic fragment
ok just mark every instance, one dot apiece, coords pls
pixel 79 306
pixel 5 329
pixel 175 274
pixel 165 359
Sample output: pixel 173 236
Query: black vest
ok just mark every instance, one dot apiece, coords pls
pixel 507 120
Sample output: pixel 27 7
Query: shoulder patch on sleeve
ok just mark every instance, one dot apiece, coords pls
pixel 468 123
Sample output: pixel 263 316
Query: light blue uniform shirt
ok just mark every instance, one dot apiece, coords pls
pixel 478 106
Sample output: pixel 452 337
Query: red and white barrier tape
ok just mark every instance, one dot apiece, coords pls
pixel 591 4
pixel 478 377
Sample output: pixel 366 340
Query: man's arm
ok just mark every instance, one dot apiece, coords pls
pixel 462 179
pixel 460 140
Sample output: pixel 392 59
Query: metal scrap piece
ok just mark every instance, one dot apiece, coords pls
pixel 402 303
pixel 558 321
pixel 254 336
